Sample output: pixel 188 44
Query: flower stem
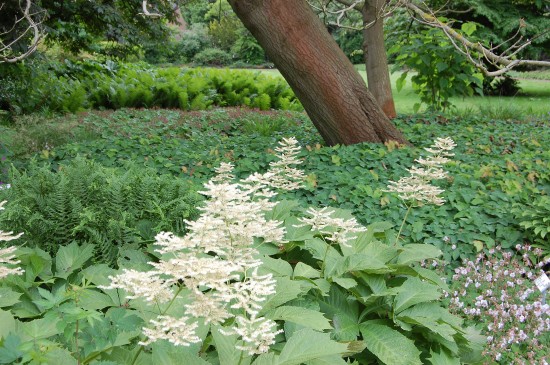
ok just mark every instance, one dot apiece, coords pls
pixel 402 225
pixel 162 313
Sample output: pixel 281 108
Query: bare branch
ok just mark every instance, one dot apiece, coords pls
pixel 146 11
pixel 33 21
pixel 503 61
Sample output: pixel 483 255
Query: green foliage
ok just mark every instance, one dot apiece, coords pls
pixel 83 25
pixel 212 57
pixel 87 203
pixel 440 72
pixel 501 86
pixel 499 20
pixel 499 163
pixel 117 86
pixel 534 216
pixel 247 49
pixel 56 314
pixel 375 293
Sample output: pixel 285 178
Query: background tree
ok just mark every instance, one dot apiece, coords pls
pixel 101 26
pixel 20 30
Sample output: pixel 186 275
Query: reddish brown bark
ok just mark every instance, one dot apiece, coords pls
pixel 376 59
pixel 333 94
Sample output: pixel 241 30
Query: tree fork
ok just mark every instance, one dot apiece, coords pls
pixel 332 92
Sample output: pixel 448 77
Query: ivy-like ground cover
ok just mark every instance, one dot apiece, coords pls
pixel 501 167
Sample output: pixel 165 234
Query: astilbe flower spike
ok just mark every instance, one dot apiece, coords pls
pixel 417 187
pixel 7 256
pixel 215 263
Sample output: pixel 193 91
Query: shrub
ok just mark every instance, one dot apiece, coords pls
pixel 441 71
pixel 88 203
pixel 212 57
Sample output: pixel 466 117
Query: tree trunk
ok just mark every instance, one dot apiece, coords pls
pixel 376 59
pixel 333 94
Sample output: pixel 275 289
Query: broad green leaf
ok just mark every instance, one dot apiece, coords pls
pixel 468 28
pixel 327 360
pixel 414 291
pixel 277 267
pixel 414 253
pixel 60 356
pixel 71 257
pixel 305 271
pixel 379 251
pixel 121 355
pixel 362 262
pixel 436 312
pixel 344 313
pixel 443 358
pixel 401 81
pixel 376 283
pixel 38 328
pixel 7 323
pixel 306 345
pixel 266 359
pixel 441 66
pixel 323 252
pixel 442 329
pixel 94 300
pixel 432 277
pixel 8 297
pixel 296 231
pixel 227 352
pixel 389 345
pixel 302 316
pixel 285 291
pixel 164 353
pixel 9 352
pixel 282 210
pixel 345 283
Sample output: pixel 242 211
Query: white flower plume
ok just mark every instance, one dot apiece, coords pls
pixel 216 261
pixel 417 187
pixel 7 255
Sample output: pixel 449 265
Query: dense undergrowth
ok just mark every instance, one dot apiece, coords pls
pixel 72 87
pixel 93 188
pixel 501 171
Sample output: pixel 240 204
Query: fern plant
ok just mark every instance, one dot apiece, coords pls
pixel 535 218
pixel 88 203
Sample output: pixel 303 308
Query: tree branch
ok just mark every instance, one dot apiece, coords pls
pixel 503 61
pixel 33 26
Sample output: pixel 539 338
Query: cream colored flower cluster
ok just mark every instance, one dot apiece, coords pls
pixel 417 187
pixel 216 263
pixel 7 256
pixel 336 230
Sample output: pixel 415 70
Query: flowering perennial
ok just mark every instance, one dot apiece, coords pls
pixel 498 289
pixel 417 187
pixel 7 257
pixel 337 230
pixel 216 264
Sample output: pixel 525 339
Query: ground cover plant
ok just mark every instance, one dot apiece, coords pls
pixel 496 169
pixel 366 305
pixel 502 168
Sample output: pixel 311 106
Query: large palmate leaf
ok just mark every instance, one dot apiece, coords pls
pixel 389 345
pixel 302 316
pixel 414 253
pixel 443 358
pixel 71 257
pixel 306 345
pixel 414 291
pixel 344 313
